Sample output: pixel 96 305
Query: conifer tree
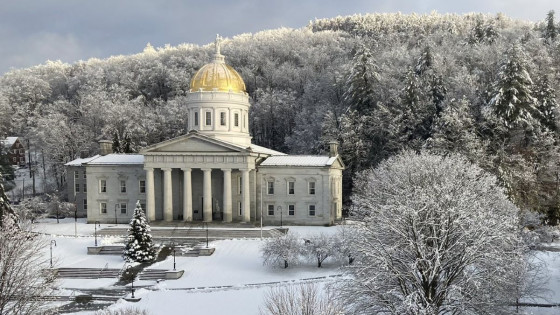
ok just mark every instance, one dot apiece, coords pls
pixel 363 77
pixel 139 246
pixel 550 31
pixel 6 210
pixel 512 100
pixel 546 102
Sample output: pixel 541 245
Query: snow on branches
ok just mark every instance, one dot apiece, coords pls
pixel 139 246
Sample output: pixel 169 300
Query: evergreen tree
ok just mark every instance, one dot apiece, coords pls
pixel 550 31
pixel 116 143
pixel 546 102
pixel 416 112
pixel 363 77
pixel 6 210
pixel 424 62
pixel 438 91
pixel 139 246
pixel 512 100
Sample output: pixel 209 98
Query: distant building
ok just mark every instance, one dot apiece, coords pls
pixel 213 173
pixel 15 150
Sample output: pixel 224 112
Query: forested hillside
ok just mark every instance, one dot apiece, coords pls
pixel 480 85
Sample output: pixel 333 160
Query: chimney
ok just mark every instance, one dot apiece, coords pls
pixel 333 148
pixel 105 147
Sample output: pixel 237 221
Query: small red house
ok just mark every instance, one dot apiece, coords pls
pixel 15 149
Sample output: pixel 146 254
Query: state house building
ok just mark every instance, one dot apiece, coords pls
pixel 212 173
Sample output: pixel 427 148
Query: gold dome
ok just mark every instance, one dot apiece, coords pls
pixel 217 75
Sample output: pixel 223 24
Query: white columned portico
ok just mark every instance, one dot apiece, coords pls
pixel 150 195
pixel 187 194
pixel 227 195
pixel 246 195
pixel 207 195
pixel 167 195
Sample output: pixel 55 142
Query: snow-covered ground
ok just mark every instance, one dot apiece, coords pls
pixel 232 281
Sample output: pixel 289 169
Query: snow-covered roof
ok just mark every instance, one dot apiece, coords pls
pixel 259 149
pixel 298 160
pixel 118 159
pixel 9 141
pixel 109 159
pixel 80 162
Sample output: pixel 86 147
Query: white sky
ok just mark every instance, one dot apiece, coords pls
pixel 33 31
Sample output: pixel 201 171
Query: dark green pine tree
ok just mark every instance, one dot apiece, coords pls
pixel 6 210
pixel 127 145
pixel 550 30
pixel 438 91
pixel 362 80
pixel 416 112
pixel 424 62
pixel 512 99
pixel 5 163
pixel 546 102
pixel 139 246
pixel 116 143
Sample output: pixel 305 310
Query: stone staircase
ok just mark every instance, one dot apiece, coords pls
pixel 87 273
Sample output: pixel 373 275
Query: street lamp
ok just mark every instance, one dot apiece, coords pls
pixel 206 225
pixel 116 207
pixel 132 284
pixel 52 242
pixel 280 209
pixel 173 257
pixel 95 224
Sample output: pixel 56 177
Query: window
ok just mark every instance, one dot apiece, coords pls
pixel 21 159
pixel 76 188
pixel 102 186
pixel 85 175
pixel 311 188
pixel 21 151
pixel 240 207
pixel 239 183
pixel 123 186
pixel 123 208
pixel 103 207
pixel 14 159
pixel 208 118
pixel 291 209
pixel 223 118
pixel 270 188
pixel 76 175
pixel 291 187
pixel 236 120
pixel 196 119
pixel 85 204
pixel 85 187
pixel 142 187
pixel 312 210
pixel 270 209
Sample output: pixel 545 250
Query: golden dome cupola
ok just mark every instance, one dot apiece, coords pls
pixel 217 76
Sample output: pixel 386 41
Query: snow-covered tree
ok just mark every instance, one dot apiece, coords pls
pixel 550 30
pixel 318 248
pixel 546 102
pixel 139 246
pixel 302 299
pixel 438 236
pixel 24 282
pixel 512 98
pixel 7 214
pixel 283 251
pixel 362 80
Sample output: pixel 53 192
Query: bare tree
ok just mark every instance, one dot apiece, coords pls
pixel 285 250
pixel 24 283
pixel 302 299
pixel 318 248
pixel 125 311
pixel 438 236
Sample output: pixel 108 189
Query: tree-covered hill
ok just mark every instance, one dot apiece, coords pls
pixel 480 85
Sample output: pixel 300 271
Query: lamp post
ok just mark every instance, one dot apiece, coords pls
pixel 280 209
pixel 132 279
pixel 95 224
pixel 52 242
pixel 206 225
pixel 173 257
pixel 116 207
pixel 262 186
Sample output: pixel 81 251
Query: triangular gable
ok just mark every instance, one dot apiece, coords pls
pixel 337 163
pixel 194 143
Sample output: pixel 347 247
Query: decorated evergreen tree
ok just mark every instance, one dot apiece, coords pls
pixel 139 246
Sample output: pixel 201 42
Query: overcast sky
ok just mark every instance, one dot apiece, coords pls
pixel 33 31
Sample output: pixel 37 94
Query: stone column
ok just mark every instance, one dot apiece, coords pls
pixel 246 201
pixel 227 195
pixel 187 194
pixel 207 195
pixel 150 195
pixel 167 195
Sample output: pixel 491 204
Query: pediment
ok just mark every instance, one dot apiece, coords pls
pixel 193 143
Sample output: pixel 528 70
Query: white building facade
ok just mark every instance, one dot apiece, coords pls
pixel 213 173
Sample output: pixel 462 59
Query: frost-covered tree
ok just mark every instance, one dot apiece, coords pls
pixel 512 97
pixel 283 251
pixel 302 299
pixel 7 214
pixel 361 82
pixel 550 30
pixel 438 236
pixel 24 282
pixel 139 246
pixel 318 248
pixel 546 102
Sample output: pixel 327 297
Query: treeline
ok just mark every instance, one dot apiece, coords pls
pixel 481 85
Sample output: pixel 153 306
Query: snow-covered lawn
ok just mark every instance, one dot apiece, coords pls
pixel 232 281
